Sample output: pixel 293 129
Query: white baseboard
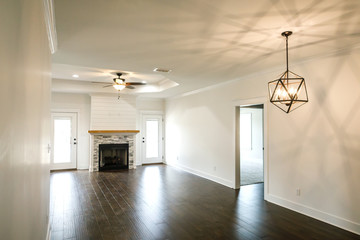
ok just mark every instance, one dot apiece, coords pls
pixel 82 168
pixel 48 233
pixel 314 213
pixel 213 178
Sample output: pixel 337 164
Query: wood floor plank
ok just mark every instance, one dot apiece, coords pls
pixel 160 202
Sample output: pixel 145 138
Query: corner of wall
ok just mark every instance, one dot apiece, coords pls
pixel 210 177
pixel 48 233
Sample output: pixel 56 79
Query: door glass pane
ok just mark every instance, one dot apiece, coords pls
pixel 62 137
pixel 152 138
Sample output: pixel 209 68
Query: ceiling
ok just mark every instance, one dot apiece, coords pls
pixel 203 42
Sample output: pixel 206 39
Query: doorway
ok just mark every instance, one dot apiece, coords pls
pixel 63 140
pixel 152 139
pixel 251 144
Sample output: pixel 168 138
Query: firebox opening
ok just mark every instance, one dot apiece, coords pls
pixel 113 156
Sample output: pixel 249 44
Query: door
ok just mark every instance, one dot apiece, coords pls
pixel 151 139
pixel 63 140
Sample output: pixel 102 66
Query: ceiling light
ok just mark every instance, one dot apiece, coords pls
pixel 162 70
pixel 75 76
pixel 289 91
pixel 119 80
pixel 119 87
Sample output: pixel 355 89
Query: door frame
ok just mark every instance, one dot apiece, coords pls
pixel 141 146
pixel 64 110
pixel 249 102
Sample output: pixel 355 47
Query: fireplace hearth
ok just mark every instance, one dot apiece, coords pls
pixel 113 156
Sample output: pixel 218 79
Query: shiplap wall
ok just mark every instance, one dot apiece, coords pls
pixel 110 113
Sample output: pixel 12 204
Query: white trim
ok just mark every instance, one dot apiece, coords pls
pixel 143 113
pixel 250 101
pixel 236 138
pixel 49 14
pixel 77 111
pixel 245 102
pixel 48 232
pixel 91 148
pixel 210 177
pixel 314 213
pixel 138 139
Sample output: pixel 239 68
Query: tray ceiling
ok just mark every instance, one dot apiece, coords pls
pixel 202 42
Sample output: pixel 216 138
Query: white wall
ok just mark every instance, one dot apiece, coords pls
pixel 111 113
pixel 81 104
pixel 256 150
pixel 315 148
pixel 24 120
pixel 150 104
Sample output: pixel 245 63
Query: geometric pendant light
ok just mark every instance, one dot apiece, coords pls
pixel 289 91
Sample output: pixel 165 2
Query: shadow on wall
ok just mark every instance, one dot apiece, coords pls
pixel 321 140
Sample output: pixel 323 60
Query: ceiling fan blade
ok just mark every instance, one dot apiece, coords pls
pixel 130 87
pixel 101 82
pixel 135 83
pixel 107 86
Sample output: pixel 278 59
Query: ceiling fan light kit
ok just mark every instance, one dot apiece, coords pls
pixel 289 91
pixel 119 87
pixel 119 83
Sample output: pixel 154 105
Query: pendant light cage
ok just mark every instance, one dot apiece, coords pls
pixel 288 92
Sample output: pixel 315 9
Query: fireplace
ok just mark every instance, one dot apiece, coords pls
pixel 99 137
pixel 113 156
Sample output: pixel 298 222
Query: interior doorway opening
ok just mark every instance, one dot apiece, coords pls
pixel 251 135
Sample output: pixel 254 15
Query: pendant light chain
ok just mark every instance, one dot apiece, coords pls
pixel 287 55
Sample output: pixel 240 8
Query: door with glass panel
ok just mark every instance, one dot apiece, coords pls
pixel 151 139
pixel 63 140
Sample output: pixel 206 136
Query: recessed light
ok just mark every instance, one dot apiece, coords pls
pixel 75 76
pixel 162 70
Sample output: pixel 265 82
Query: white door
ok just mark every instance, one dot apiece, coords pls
pixel 63 140
pixel 151 139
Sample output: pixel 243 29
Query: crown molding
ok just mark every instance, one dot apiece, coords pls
pixel 49 14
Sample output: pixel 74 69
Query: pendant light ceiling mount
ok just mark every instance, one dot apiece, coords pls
pixel 286 33
pixel 289 91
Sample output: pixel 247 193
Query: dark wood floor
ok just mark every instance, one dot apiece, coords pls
pixel 160 202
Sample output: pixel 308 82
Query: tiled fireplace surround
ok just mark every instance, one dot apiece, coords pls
pixel 111 138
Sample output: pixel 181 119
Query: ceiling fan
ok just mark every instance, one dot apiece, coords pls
pixel 119 83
